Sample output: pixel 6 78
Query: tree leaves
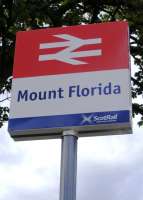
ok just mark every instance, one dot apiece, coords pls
pixel 16 15
pixel 3 115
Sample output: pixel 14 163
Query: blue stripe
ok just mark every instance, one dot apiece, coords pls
pixel 61 121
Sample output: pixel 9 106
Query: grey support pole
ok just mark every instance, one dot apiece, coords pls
pixel 68 166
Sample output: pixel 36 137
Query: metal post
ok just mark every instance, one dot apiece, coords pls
pixel 68 166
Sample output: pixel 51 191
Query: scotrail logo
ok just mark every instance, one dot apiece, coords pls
pixel 98 118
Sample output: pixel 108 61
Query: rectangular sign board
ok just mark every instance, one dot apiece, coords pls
pixel 75 77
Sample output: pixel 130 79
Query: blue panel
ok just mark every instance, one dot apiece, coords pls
pixel 62 121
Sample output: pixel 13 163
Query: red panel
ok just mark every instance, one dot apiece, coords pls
pixel 114 46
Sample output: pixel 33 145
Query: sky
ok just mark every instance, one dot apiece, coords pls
pixel 109 167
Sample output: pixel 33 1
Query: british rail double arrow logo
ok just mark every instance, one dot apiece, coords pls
pixel 69 55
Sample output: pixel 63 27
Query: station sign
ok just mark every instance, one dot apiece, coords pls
pixel 75 77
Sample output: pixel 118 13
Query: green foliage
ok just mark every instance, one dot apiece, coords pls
pixel 18 15
pixel 3 115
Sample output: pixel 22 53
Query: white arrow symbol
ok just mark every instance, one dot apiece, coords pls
pixel 67 55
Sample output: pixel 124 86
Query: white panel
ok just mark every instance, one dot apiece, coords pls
pixel 72 105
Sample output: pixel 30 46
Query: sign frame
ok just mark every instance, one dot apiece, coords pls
pixel 96 123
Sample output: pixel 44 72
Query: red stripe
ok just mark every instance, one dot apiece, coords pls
pixel 115 52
